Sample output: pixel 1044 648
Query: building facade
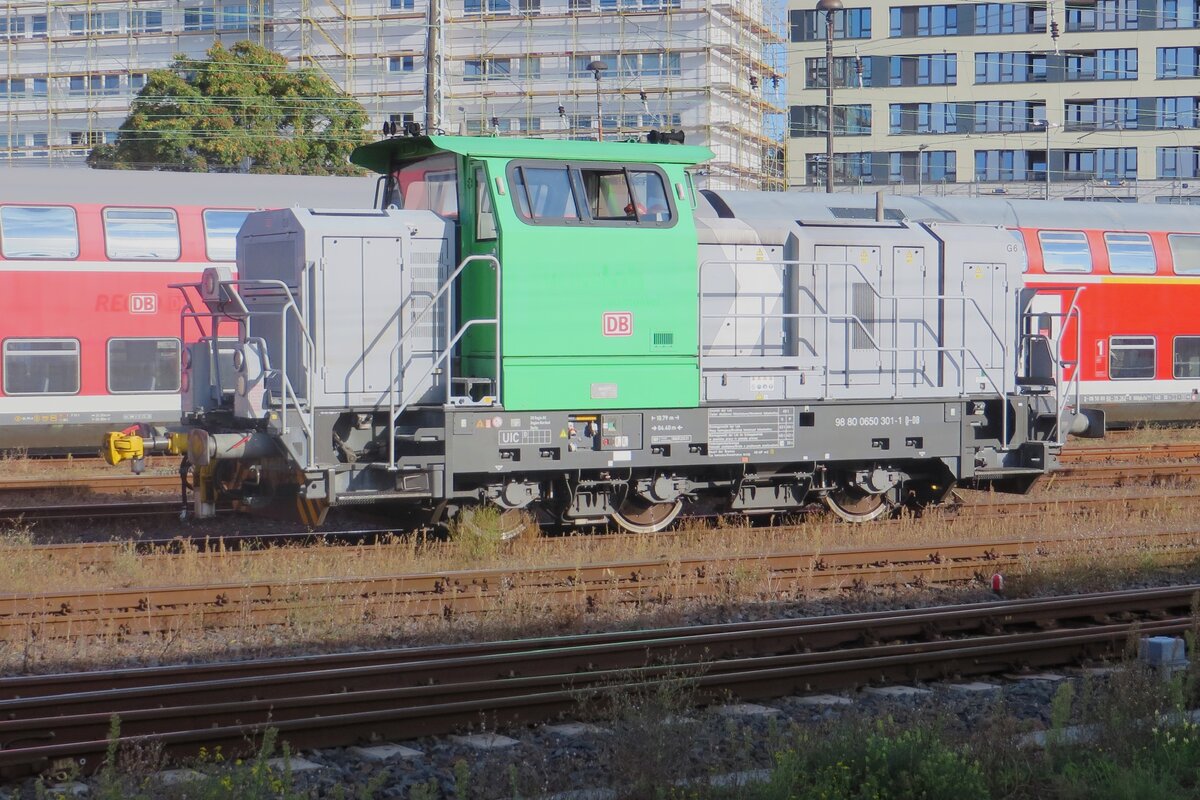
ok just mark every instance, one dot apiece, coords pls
pixel 1101 96
pixel 503 67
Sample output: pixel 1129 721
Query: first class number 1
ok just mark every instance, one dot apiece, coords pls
pixel 872 422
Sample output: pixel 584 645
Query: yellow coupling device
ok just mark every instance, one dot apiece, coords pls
pixel 134 443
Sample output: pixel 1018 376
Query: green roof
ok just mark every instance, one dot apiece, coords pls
pixel 378 155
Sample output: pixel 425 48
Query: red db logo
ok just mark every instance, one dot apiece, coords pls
pixel 618 323
pixel 143 304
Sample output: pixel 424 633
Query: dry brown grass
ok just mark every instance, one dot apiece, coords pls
pixel 744 588
pixel 1144 434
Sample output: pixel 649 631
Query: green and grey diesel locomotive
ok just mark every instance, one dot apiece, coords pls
pixel 567 328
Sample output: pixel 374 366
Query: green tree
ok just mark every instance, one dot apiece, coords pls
pixel 242 103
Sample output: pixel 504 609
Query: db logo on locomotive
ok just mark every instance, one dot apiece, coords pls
pixel 618 323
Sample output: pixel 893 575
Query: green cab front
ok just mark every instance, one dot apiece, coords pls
pixel 597 247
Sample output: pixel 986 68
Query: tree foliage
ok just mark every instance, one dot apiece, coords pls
pixel 239 104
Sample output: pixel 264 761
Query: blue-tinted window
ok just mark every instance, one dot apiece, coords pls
pixel 38 232
pixel 850 23
pixel 937 69
pixel 141 234
pixel 1130 253
pixel 923 118
pixel 220 233
pixel 1065 251
pixel 1177 62
pixel 1178 14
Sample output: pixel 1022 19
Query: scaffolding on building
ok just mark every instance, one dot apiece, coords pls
pixel 712 68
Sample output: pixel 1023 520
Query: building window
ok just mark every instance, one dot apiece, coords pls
pixel 850 23
pixel 401 64
pixel 12 87
pixel 1104 15
pixel 94 23
pixel 402 5
pixel 1009 67
pixel 1130 253
pixel 847 168
pixel 12 28
pixel 1009 165
pixel 1185 253
pixel 849 120
pixel 923 118
pixel 1130 357
pixel 1187 357
pixel 137 81
pixel 145 21
pixel 235 16
pixel 1103 65
pixel 941 20
pixel 934 166
pixel 649 65
pixel 1176 112
pixel 1007 116
pixel 1178 162
pixel 848 71
pixel 147 234
pixel 938 69
pixel 997 18
pixel 41 366
pixel 38 231
pixel 487 6
pixel 1178 62
pixel 38 25
pixel 1178 14
pixel 199 18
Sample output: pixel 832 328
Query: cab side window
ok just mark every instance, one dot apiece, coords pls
pixel 608 194
pixel 544 193
pixel 590 193
pixel 485 217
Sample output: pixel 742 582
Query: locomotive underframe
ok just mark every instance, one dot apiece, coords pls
pixel 649 464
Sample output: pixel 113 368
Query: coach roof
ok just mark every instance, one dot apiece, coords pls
pixel 378 156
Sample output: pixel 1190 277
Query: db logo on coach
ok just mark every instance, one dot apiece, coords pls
pixel 618 323
pixel 143 304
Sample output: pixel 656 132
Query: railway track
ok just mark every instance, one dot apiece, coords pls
pixel 1118 475
pixel 1116 453
pixel 332 700
pixel 170 609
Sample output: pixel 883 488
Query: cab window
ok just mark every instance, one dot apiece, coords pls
pixel 607 194
pixel 597 194
pixel 543 193
pixel 429 184
pixel 485 217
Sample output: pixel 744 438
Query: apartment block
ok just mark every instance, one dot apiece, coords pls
pixel 504 67
pixel 1100 97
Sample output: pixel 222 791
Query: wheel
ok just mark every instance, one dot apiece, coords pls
pixel 855 506
pixel 639 515
pixel 505 525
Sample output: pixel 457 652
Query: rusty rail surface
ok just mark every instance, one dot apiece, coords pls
pixel 341 699
pixel 158 610
pixel 1126 473
pixel 1132 452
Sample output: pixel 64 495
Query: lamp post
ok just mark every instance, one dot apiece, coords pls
pixel 829 6
pixel 597 66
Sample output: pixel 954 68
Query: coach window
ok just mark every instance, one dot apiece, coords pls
pixel 143 365
pixel 1185 252
pixel 220 233
pixel 1187 356
pixel 1130 253
pixel 544 194
pixel 41 366
pixel 143 234
pixel 429 184
pixel 1065 251
pixel 1130 357
pixel 38 232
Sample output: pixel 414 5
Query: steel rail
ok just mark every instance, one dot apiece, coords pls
pixel 1132 452
pixel 98 484
pixel 162 609
pixel 1107 475
pixel 523 682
